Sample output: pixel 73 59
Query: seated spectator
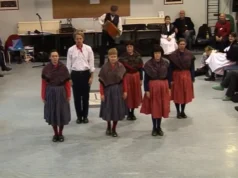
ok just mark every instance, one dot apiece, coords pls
pixel 217 61
pixel 204 36
pixel 2 62
pixel 167 40
pixel 203 69
pixel 231 83
pixel 185 28
pixel 222 31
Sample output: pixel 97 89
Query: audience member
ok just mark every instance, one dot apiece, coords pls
pixel 203 69
pixel 2 62
pixel 222 31
pixel 217 61
pixel 231 83
pixel 185 28
pixel 167 40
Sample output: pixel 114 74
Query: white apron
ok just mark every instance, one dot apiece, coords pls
pixel 168 46
pixel 217 61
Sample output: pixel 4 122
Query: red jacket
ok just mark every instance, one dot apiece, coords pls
pixel 222 29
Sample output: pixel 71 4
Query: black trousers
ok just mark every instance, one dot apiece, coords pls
pixel 231 83
pixel 106 39
pixel 220 45
pixel 81 90
pixel 2 63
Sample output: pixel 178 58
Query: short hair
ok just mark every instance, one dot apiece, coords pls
pixel 209 48
pixel 233 34
pixel 112 51
pixel 182 11
pixel 181 40
pixel 53 51
pixel 130 42
pixel 77 32
pixel 157 48
pixel 167 17
pixel 114 8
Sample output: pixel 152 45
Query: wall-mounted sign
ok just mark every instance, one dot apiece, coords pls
pixel 168 2
pixel 9 5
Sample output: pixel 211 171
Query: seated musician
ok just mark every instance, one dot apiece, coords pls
pixel 185 28
pixel 222 31
pixel 217 61
pixel 167 40
pixel 106 38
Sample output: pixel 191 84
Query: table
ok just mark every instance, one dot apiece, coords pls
pixel 62 41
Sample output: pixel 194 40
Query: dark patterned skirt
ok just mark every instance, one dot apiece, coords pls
pixel 57 108
pixel 114 107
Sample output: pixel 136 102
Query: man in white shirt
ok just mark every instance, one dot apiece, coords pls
pixel 106 38
pixel 80 63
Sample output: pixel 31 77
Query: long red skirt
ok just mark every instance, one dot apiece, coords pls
pixel 182 87
pixel 158 105
pixel 134 94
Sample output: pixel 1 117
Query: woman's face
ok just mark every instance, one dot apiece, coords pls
pixel 231 38
pixel 167 20
pixel 113 58
pixel 130 48
pixel 208 52
pixel 157 56
pixel 54 57
pixel 182 45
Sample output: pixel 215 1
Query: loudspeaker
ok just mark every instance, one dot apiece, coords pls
pixel 235 6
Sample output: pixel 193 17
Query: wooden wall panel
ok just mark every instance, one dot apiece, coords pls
pixel 83 9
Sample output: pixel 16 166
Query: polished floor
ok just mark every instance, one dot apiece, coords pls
pixel 203 146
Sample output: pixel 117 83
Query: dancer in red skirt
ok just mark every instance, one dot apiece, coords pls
pixel 157 98
pixel 133 63
pixel 182 77
pixel 113 92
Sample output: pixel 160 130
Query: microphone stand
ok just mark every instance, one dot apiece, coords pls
pixel 42 41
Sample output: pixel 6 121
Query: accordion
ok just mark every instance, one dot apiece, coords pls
pixel 111 29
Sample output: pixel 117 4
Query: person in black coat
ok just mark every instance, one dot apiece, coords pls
pixel 185 28
pixel 2 62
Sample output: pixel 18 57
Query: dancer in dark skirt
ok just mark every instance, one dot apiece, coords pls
pixel 133 63
pixel 113 92
pixel 157 96
pixel 55 93
pixel 182 77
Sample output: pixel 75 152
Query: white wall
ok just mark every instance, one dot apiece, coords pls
pixel 9 19
pixel 138 8
pixel 196 9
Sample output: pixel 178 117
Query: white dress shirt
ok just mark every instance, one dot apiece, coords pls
pixel 102 19
pixel 80 59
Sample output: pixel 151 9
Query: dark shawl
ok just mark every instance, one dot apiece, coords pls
pixel 164 30
pixel 55 76
pixel 182 61
pixel 156 70
pixel 133 62
pixel 110 76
